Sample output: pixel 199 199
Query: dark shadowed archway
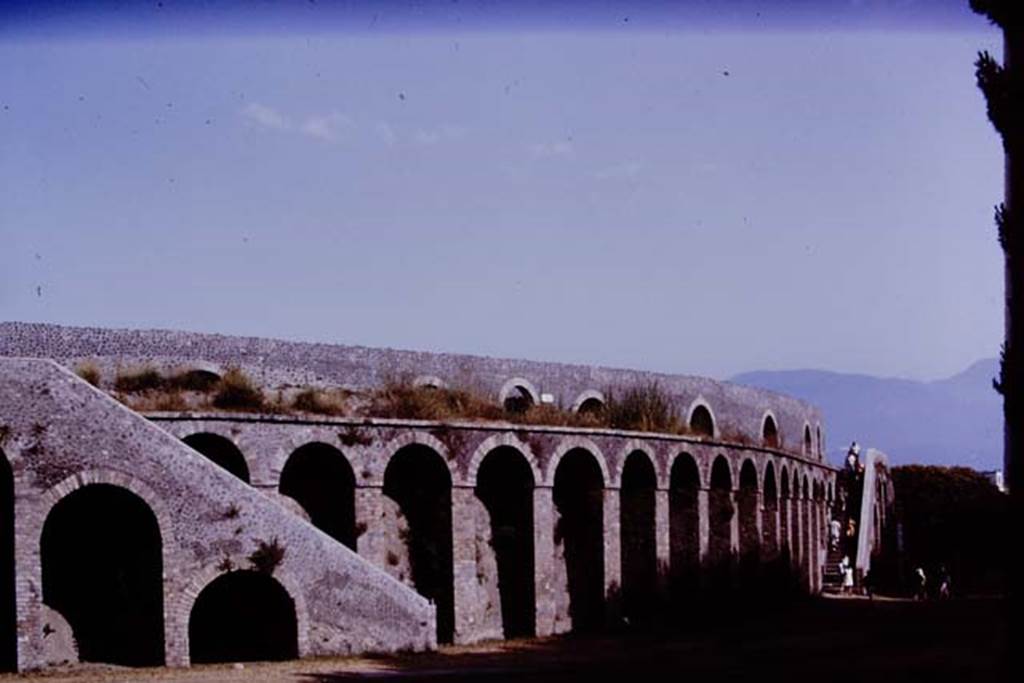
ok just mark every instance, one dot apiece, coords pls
pixel 221 451
pixel 320 479
pixel 579 500
pixel 785 523
pixel 243 616
pixel 418 480
pixel 749 537
pixel 637 537
pixel 769 432
pixel 769 518
pixel 684 528
pixel 701 422
pixel 795 521
pixel 8 616
pixel 103 571
pixel 805 528
pixel 504 484
pixel 720 513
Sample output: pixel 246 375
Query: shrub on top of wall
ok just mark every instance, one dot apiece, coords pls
pixel 237 392
pixel 138 380
pixel 89 371
pixel 645 408
pixel 320 402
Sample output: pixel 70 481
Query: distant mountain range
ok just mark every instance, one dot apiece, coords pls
pixel 954 421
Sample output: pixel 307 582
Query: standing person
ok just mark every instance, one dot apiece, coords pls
pixel 847 569
pixel 920 592
pixel 835 531
pixel 868 584
pixel 943 583
pixel 853 458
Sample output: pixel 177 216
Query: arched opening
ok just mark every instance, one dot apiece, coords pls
pixel 796 521
pixel 749 541
pixel 518 400
pixel 103 571
pixel 684 527
pixel 579 530
pixel 504 484
pixel 196 380
pixel 720 512
pixel 807 440
pixel 785 543
pixel 320 479
pixel 639 551
pixel 770 432
pixel 243 616
pixel 221 451
pixel 591 406
pixel 805 526
pixel 701 422
pixel 769 520
pixel 821 446
pixel 417 479
pixel 8 610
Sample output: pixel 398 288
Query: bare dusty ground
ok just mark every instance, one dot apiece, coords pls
pixel 828 641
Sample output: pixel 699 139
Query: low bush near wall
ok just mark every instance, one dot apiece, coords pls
pixel 237 392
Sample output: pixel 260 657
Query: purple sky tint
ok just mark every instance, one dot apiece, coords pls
pixel 705 197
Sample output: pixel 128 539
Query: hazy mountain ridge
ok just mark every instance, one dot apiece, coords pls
pixel 952 421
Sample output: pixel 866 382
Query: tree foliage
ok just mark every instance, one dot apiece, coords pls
pixel 953 516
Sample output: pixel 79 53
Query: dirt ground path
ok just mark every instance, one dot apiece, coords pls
pixel 827 641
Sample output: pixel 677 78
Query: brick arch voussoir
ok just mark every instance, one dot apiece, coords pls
pixel 180 610
pixel 418 438
pixel 632 446
pixel 507 440
pixel 570 443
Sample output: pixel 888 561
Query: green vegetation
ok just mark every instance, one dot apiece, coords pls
pixel 954 516
pixel 645 408
pixel 236 391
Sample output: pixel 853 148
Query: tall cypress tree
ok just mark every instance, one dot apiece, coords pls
pixel 1003 86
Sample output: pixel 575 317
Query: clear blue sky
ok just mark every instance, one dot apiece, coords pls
pixel 696 187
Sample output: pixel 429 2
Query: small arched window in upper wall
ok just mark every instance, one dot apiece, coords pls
pixel 770 432
pixel 591 406
pixel 807 440
pixel 820 447
pixel 519 400
pixel 196 380
pixel 701 422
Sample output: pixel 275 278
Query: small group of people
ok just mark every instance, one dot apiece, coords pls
pixel 940 585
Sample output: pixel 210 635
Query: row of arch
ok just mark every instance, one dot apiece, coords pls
pixel 101 560
pixel 774 516
pixel 224 452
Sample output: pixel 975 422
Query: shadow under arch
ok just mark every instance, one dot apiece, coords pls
pixel 221 451
pixel 319 477
pixel 579 529
pixel 243 616
pixel 749 541
pixel 505 484
pixel 720 514
pixel 102 569
pixel 418 480
pixel 684 529
pixel 637 537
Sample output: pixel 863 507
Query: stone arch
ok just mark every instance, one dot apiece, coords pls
pixel 505 486
pixel 572 443
pixel 198 376
pixel 221 451
pixel 807 530
pixel 747 508
pixel 639 480
pixel 8 604
pixel 808 446
pixel 770 507
pixel 820 442
pixel 684 526
pixel 770 435
pixel 429 382
pixel 427 440
pixel 785 510
pixel 495 441
pixel 588 401
pixel 700 418
pixel 419 480
pixel 101 553
pixel 518 394
pixel 320 479
pixel 721 511
pixel 631 446
pixel 243 615
pixel 578 495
